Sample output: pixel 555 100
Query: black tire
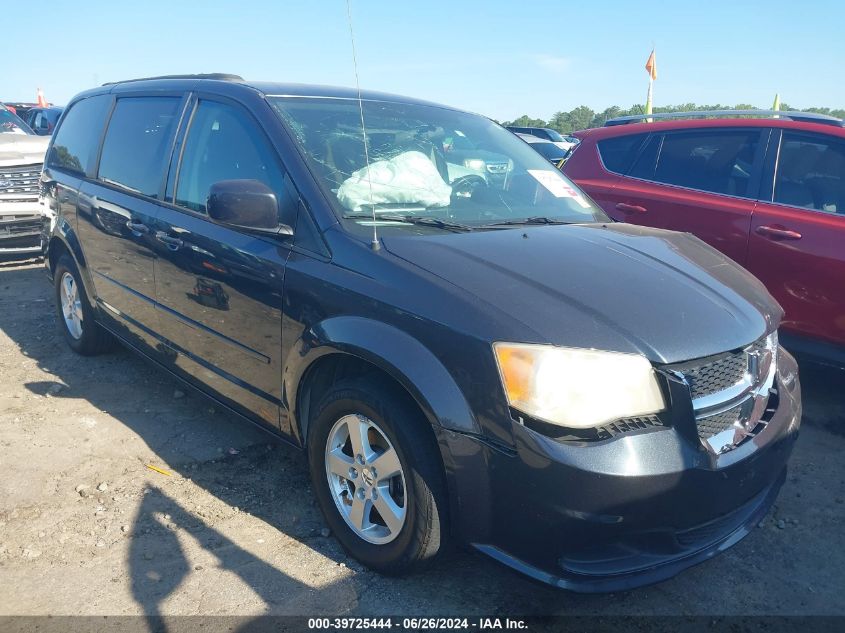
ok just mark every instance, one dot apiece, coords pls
pixel 93 339
pixel 425 530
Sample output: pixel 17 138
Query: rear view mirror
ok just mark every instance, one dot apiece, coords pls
pixel 246 204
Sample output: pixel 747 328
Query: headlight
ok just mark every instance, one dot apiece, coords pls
pixel 474 163
pixel 577 388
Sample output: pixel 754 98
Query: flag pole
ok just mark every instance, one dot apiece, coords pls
pixel 651 69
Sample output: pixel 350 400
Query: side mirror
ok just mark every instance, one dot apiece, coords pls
pixel 246 204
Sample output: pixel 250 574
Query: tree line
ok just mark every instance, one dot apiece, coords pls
pixel 584 117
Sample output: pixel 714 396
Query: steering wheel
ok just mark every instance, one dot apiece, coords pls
pixel 465 186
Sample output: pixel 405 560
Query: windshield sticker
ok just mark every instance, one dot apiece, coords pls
pixel 558 186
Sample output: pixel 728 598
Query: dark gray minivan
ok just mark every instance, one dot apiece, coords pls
pixel 461 354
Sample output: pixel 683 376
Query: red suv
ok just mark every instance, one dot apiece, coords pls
pixel 767 192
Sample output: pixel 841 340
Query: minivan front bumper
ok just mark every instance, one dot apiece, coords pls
pixel 633 510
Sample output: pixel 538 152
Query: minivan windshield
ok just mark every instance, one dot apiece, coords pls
pixel 10 123
pixel 430 167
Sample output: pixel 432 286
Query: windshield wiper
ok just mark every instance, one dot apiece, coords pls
pixel 531 220
pixel 421 220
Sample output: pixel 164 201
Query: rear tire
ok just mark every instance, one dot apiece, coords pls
pixel 75 315
pixel 409 490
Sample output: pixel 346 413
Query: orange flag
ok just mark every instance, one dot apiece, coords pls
pixel 42 102
pixel 651 65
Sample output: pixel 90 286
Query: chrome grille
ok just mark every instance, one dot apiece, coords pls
pixel 15 181
pixel 497 168
pixel 717 375
pixel 713 424
pixel 728 391
pixel 758 344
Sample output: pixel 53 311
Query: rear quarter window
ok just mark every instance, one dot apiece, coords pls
pixel 77 139
pixel 618 153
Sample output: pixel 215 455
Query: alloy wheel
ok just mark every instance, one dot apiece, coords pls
pixel 366 479
pixel 71 305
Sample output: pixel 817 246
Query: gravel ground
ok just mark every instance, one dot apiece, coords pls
pixel 87 527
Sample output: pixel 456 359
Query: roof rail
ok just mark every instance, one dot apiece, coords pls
pixel 807 117
pixel 216 76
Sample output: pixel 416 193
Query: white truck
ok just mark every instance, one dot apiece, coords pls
pixel 21 214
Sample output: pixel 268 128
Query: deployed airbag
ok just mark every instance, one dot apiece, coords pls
pixel 407 178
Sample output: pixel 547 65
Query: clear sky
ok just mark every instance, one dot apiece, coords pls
pixel 500 58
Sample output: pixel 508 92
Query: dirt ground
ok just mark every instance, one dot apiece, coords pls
pixel 87 528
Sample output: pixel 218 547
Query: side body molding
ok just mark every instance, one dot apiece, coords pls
pixel 397 353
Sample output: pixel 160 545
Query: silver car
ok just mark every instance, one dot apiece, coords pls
pixel 21 157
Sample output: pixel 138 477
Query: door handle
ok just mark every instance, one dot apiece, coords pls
pixel 173 243
pixel 630 208
pixel 137 228
pixel 777 233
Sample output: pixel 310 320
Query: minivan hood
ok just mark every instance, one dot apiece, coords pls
pixel 22 149
pixel 616 287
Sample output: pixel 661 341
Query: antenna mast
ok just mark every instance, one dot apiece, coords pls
pixel 375 243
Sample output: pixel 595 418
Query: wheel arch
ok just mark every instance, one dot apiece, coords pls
pixel 65 241
pixel 345 343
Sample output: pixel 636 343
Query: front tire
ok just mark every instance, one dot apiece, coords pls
pixel 75 314
pixel 377 475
